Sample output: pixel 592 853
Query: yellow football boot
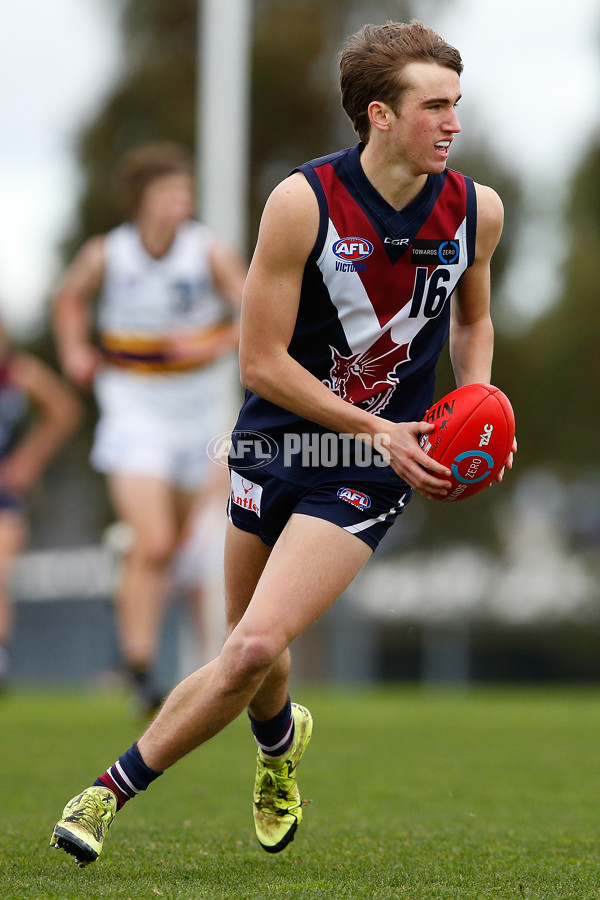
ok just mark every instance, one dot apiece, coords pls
pixel 85 820
pixel 277 803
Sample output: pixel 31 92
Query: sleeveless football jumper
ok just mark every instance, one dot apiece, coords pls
pixel 374 310
pixel 144 300
pixel 156 414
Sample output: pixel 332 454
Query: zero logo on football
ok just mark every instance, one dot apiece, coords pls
pixel 472 466
pixel 356 498
pixel 352 249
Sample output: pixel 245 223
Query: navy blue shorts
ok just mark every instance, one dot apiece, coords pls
pixel 263 504
pixel 11 502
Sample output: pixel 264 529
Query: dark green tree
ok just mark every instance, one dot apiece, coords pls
pixel 153 99
pixel 557 378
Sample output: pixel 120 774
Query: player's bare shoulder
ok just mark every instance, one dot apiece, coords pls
pixel 291 215
pixel 87 269
pixel 490 219
pixel 294 190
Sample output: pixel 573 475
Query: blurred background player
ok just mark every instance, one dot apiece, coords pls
pixel 168 299
pixel 38 412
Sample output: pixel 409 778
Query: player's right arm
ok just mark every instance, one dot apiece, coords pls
pixel 287 235
pixel 57 413
pixel 72 313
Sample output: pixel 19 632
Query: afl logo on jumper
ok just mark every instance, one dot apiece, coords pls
pixel 355 498
pixel 351 253
pixel 352 249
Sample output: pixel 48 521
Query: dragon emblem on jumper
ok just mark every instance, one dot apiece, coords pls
pixel 368 376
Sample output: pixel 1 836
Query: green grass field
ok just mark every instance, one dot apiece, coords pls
pixel 415 794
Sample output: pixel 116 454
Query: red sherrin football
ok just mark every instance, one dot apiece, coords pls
pixel 474 432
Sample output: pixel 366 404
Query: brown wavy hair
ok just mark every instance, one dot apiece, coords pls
pixel 143 165
pixel 372 66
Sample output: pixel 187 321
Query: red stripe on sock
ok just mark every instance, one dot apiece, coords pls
pixel 111 784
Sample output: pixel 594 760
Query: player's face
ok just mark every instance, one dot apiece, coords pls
pixel 168 201
pixel 426 122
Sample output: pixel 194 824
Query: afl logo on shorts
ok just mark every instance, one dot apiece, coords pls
pixel 355 498
pixel 352 249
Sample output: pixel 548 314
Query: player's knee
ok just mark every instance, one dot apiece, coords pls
pixel 249 658
pixel 155 550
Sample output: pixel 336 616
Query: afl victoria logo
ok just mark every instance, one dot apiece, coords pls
pixel 352 249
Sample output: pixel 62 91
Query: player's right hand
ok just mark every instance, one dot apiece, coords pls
pixel 80 364
pixel 423 474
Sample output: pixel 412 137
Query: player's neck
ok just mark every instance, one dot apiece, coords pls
pixel 156 237
pixel 394 181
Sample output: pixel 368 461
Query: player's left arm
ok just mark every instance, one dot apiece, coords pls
pixel 471 328
pixel 229 270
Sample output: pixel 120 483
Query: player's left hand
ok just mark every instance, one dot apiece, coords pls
pixel 509 462
pixel 190 348
pixel 200 349
pixel 18 473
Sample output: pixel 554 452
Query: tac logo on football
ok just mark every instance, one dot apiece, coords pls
pixel 352 249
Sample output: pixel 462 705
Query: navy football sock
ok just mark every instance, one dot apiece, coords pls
pixel 128 776
pixel 276 735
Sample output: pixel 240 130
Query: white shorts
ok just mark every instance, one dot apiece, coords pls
pixel 159 424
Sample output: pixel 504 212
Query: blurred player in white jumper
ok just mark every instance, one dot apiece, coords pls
pixel 168 298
